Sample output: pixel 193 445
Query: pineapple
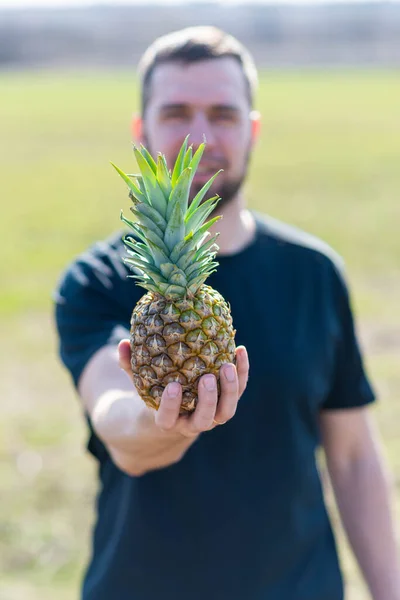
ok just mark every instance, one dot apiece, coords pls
pixel 181 328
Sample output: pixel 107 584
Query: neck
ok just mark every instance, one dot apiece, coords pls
pixel 236 228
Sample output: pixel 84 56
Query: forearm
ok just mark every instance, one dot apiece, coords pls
pixel 363 496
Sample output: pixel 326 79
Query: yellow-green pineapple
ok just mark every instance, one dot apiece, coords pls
pixel 181 328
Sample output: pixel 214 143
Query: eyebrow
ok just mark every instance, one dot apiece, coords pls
pixel 182 106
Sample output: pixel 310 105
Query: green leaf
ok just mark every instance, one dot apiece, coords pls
pixel 153 190
pixel 208 224
pixel 152 214
pixel 175 231
pixel 206 248
pixel 139 233
pixel 180 193
pixel 205 268
pixel 197 282
pixel 163 176
pixel 132 187
pixel 178 278
pixel 188 157
pixel 192 240
pixel 148 223
pixel 137 262
pixel 200 214
pixel 151 236
pixel 142 187
pixel 148 283
pixel 167 269
pixel 200 265
pixel 200 195
pixel 149 287
pixel 158 253
pixel 178 167
pixel 147 156
pixel 177 252
pixel 175 291
pixel 186 260
pixel 146 269
pixel 130 224
pixel 136 248
pixel 194 163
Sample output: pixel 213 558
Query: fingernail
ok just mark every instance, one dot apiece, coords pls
pixel 210 383
pixel 173 389
pixel 229 372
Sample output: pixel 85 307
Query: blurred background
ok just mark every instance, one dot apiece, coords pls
pixel 328 161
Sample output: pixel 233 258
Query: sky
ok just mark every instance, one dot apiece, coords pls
pixel 63 3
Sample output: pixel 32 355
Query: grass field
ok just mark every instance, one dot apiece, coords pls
pixel 328 160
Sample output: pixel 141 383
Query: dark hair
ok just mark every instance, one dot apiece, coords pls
pixel 191 45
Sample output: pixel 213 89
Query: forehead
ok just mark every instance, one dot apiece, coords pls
pixel 215 81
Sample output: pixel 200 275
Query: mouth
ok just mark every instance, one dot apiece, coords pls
pixel 205 171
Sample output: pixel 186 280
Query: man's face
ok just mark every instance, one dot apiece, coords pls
pixel 207 99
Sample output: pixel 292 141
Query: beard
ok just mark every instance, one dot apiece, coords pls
pixel 226 191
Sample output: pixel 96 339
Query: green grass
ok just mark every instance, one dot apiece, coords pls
pixel 327 160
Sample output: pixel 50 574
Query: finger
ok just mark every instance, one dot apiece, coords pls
pixel 124 356
pixel 242 367
pixel 229 393
pixel 168 412
pixel 203 416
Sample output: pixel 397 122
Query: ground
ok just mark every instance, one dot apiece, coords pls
pixel 327 161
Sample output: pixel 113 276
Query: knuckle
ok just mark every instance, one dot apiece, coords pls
pixel 165 425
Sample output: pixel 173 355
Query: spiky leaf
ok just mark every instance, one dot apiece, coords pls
pixel 137 194
pixel 152 214
pixel 153 189
pixel 163 176
pixel 146 154
pixel 175 230
pixel 178 167
pixel 200 195
pixel 200 214
pixel 194 163
pixel 188 157
pixel 180 193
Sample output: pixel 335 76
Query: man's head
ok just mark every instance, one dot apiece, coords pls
pixel 200 81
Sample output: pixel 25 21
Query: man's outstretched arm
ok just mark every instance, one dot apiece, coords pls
pixel 138 438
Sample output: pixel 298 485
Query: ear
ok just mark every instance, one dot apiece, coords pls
pixel 137 129
pixel 255 120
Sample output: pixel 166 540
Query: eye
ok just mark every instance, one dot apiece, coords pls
pixel 225 115
pixel 174 113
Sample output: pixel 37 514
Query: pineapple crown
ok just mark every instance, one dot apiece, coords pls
pixel 170 251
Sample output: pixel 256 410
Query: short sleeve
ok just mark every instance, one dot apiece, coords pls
pixel 351 387
pixel 89 309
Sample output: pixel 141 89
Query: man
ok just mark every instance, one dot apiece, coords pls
pixel 227 504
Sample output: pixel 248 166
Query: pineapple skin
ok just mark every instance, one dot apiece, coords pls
pixel 179 340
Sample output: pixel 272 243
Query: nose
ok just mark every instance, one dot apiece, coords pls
pixel 201 128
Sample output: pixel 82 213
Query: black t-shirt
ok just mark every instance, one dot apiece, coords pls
pixel 241 516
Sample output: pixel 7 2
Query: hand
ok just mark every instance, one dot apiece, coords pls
pixel 210 411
